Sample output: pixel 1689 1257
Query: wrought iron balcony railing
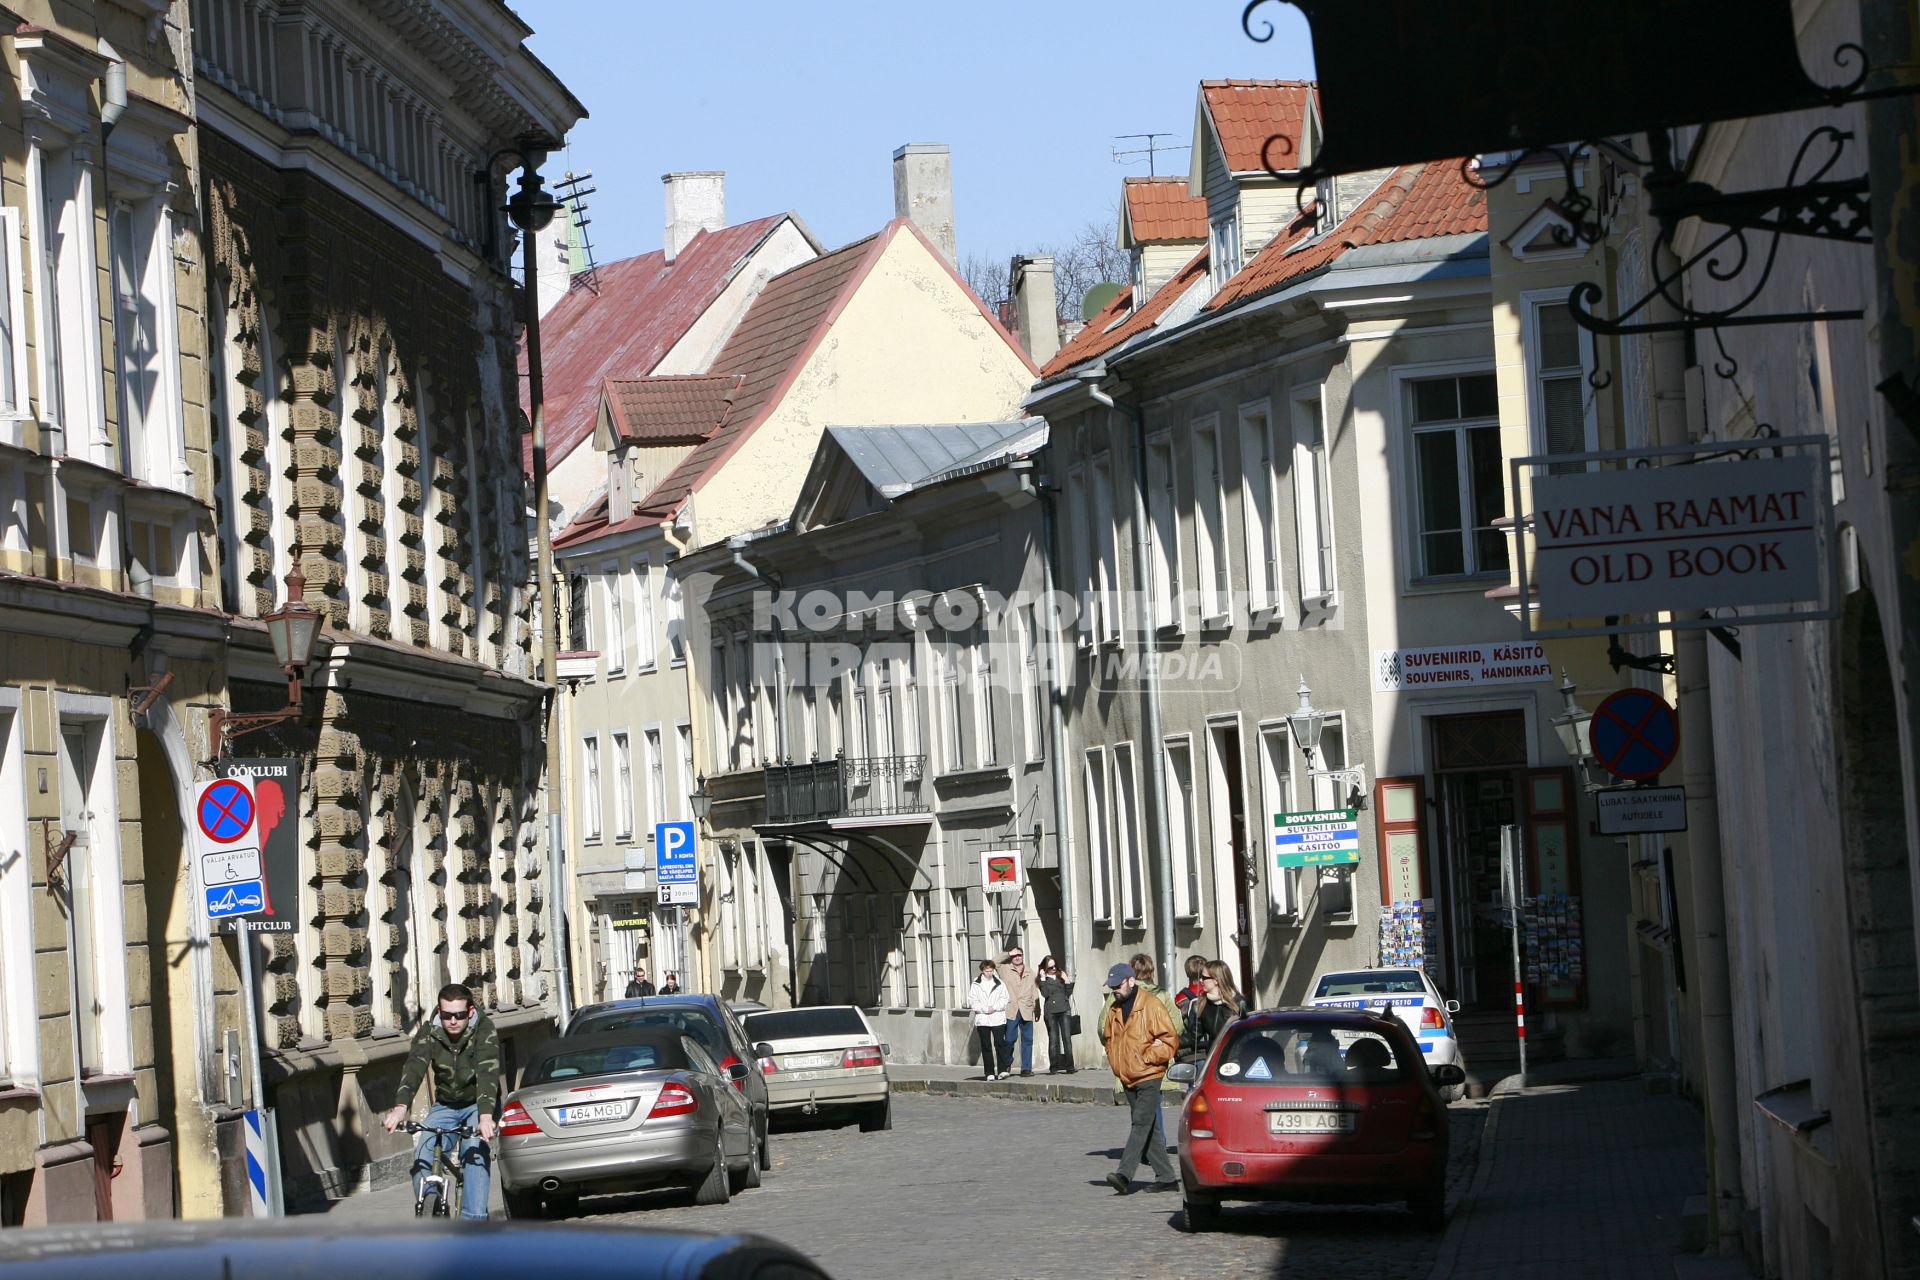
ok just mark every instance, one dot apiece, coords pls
pixel 847 787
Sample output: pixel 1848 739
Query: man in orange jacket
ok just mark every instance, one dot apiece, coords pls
pixel 1141 1040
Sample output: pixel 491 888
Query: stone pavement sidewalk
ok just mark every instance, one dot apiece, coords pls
pixel 1583 1173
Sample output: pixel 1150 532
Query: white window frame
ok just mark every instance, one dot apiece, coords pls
pixel 947 651
pixel 1260 508
pixel 157 454
pixel 613 614
pixel 98 855
pixel 1128 846
pixel 1328 791
pixel 15 401
pixel 1183 857
pixel 676 610
pixel 19 1013
pixel 1277 796
pixel 1033 697
pixel 1107 559
pixel 646 642
pixel 683 738
pixel 1414 576
pixel 1163 527
pixel 70 362
pixel 1080 558
pixel 1095 806
pixel 623 785
pixel 653 761
pixel 985 722
pixel 593 816
pixel 1213 560
pixel 1532 303
pixel 1223 249
pixel 1313 499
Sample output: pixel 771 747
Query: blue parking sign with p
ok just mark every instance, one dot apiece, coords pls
pixel 673 843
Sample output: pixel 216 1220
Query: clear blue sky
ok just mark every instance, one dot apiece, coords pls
pixel 803 104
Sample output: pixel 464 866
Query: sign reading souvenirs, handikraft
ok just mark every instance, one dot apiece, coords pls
pixel 1316 837
pixel 1449 666
pixel 1647 539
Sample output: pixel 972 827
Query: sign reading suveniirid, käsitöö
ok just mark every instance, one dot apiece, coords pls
pixel 1316 837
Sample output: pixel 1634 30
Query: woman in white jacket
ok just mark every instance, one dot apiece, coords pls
pixel 987 997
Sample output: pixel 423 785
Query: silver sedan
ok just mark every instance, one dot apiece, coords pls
pixel 628 1110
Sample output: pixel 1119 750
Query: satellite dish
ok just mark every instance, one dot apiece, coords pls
pixel 1099 298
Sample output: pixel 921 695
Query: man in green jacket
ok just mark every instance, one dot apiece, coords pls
pixel 462 1049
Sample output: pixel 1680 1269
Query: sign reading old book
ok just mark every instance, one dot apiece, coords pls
pixel 1748 534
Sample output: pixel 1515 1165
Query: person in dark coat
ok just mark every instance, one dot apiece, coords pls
pixel 639 986
pixel 1056 1006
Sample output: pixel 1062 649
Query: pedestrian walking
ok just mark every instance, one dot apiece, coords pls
pixel 1141 1040
pixel 670 985
pixel 1056 1006
pixel 1023 1009
pixel 639 986
pixel 1196 970
pixel 1207 1015
pixel 987 997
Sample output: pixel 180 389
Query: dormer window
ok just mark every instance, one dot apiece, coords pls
pixel 1223 249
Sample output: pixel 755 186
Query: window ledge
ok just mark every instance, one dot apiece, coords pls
pixel 1216 624
pixel 1478 582
pixel 1321 603
pixel 18 1093
pixel 967 777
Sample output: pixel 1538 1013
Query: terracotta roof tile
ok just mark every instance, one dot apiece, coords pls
pixel 1114 326
pixel 1160 209
pixel 627 325
pixel 1246 113
pixel 671 410
pixel 1418 202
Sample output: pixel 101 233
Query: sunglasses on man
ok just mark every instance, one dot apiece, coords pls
pixel 455 1015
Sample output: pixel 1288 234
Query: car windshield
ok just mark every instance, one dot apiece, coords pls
pixel 1288 1053
pixel 597 1061
pixel 691 1021
pixel 804 1024
pixel 1393 982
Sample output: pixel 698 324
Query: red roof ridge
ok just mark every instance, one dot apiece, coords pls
pixel 1258 84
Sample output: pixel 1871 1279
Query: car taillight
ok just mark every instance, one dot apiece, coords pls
pixel 674 1100
pixel 1430 1017
pixel 727 1064
pixel 1423 1120
pixel 866 1055
pixel 1199 1112
pixel 768 1066
pixel 516 1123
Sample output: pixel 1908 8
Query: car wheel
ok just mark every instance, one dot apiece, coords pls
pixel 716 1187
pixel 1201 1214
pixel 1455 1092
pixel 1430 1208
pixel 749 1175
pixel 766 1151
pixel 521 1204
pixel 876 1116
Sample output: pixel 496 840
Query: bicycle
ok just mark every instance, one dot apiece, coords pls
pixel 440 1185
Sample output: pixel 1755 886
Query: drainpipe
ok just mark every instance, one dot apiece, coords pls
pixel 113 101
pixel 1149 648
pixel 1039 487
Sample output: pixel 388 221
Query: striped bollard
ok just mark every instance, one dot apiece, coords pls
pixel 257 1164
pixel 1520 1023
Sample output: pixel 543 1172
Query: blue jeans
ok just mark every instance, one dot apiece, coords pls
pixel 475 1160
pixel 1020 1029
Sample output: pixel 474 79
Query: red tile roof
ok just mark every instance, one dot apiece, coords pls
pixel 1102 334
pixel 1246 113
pixel 1161 209
pixel 626 327
pixel 671 410
pixel 1418 202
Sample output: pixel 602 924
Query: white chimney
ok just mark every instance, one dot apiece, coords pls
pixel 1036 311
pixel 553 256
pixel 696 202
pixel 923 191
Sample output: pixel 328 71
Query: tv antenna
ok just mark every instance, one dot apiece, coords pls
pixel 573 194
pixel 1150 150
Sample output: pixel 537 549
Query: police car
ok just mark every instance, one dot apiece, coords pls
pixel 1409 994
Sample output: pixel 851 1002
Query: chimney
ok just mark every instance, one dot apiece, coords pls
pixel 923 191
pixel 696 202
pixel 1036 311
pixel 552 256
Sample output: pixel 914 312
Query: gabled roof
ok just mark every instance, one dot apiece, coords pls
pixel 625 327
pixel 1245 113
pixel 1155 210
pixel 1418 202
pixel 670 410
pixel 896 459
pixel 1113 325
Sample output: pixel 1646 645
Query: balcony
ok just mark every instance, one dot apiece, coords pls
pixel 880 788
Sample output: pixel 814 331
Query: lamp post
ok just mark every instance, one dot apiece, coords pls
pixel 293 628
pixel 700 801
pixel 1306 724
pixel 1571 724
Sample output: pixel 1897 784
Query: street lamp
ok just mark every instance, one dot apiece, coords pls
pixel 1571 723
pixel 702 802
pixel 1306 723
pixel 293 629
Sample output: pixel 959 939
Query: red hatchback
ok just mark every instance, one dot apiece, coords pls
pixel 1315 1104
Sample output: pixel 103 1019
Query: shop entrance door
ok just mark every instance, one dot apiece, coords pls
pixel 1480 767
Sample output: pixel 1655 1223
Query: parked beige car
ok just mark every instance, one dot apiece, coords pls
pixel 823 1059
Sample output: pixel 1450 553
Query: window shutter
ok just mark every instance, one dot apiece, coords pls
pixel 1400 833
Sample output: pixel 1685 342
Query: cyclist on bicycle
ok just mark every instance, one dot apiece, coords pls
pixel 463 1049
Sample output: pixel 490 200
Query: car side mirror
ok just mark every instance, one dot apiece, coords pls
pixel 1182 1072
pixel 763 1050
pixel 1453 1006
pixel 737 1071
pixel 1447 1073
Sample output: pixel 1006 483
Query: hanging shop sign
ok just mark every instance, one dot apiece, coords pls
pixel 1450 666
pixel 1316 837
pixel 1634 811
pixel 1001 871
pixel 1555 73
pixel 1752 534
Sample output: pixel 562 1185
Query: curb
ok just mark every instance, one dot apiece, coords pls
pixel 1050 1091
pixel 1462 1209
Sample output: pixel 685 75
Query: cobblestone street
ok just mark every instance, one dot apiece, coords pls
pixel 974 1187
